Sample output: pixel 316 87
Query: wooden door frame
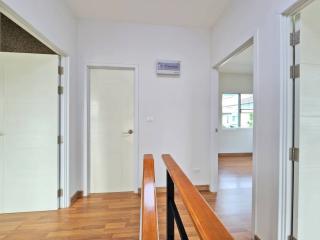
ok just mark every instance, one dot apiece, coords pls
pixel 86 134
pixel 64 201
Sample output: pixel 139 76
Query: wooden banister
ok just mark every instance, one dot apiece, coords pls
pixel 207 224
pixel 149 229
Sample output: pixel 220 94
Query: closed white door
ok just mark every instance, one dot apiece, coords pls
pixel 306 219
pixel 111 130
pixel 28 132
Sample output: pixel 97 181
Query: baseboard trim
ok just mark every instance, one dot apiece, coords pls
pixel 235 154
pixel 76 196
pixel 201 188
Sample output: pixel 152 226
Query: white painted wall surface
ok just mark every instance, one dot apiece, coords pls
pixel 54 20
pixel 234 140
pixel 243 20
pixel 179 106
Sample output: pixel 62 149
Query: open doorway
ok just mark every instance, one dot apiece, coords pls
pixel 235 141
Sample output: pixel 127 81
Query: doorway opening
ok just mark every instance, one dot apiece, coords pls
pixel 31 119
pixel 235 139
pixel 303 119
pixel 112 129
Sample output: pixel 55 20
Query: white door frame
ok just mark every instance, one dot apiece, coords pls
pixel 286 104
pixel 64 201
pixel 86 134
pixel 252 41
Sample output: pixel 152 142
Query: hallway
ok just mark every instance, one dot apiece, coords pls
pixel 116 216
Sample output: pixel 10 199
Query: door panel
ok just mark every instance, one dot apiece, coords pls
pixel 111 148
pixel 29 125
pixel 307 127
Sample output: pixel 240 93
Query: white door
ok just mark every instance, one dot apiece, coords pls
pixel 307 126
pixel 28 132
pixel 111 130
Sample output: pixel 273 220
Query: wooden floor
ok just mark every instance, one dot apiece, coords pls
pixel 116 216
pixel 233 203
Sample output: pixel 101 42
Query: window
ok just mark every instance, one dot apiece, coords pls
pixel 237 110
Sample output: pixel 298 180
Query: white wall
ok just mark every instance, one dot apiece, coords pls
pixel 238 140
pixel 243 20
pixel 54 20
pixel 180 106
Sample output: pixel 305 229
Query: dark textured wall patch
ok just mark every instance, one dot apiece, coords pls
pixel 13 38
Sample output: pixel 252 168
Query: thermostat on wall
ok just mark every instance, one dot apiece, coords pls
pixel 168 68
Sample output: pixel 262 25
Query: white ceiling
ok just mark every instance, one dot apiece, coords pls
pixel 240 63
pixel 189 13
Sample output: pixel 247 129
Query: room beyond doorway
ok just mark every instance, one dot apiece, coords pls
pixel 236 107
pixel 235 137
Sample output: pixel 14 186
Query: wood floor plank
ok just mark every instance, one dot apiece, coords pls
pixel 117 215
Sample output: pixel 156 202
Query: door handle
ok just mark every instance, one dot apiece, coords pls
pixel 1 134
pixel 129 132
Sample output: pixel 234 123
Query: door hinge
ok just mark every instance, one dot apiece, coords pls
pixel 60 90
pixel 295 38
pixel 294 154
pixel 60 140
pixel 291 238
pixel 60 70
pixel 295 71
pixel 60 192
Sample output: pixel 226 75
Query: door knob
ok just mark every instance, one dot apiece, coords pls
pixel 130 131
pixel 1 134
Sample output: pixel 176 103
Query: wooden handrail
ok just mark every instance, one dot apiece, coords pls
pixel 148 202
pixel 206 222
